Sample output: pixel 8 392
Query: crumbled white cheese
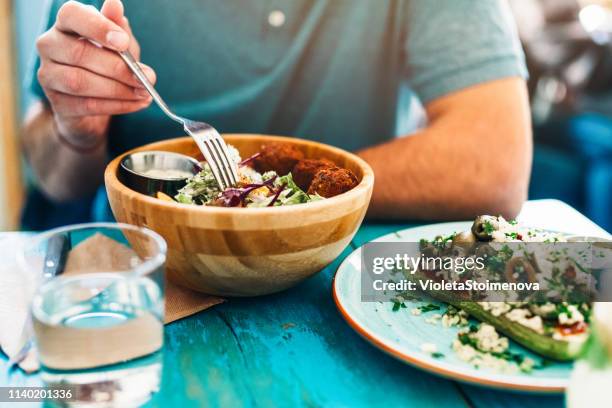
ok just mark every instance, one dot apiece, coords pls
pixel 458 318
pixel 487 339
pixel 573 317
pixel 485 353
pixel 234 154
pixel 479 359
pixel 507 232
pixel 249 176
pixel 416 311
pixel 499 236
pixel 534 323
pixel 525 318
pixel 429 348
pixel 518 314
pixel 464 351
pixel 496 308
pixel 544 309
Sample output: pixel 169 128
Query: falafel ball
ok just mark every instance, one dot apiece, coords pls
pixel 279 157
pixel 332 181
pixel 306 169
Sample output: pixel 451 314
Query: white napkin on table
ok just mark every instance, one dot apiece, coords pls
pixel 16 290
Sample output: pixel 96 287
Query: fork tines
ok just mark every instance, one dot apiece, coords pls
pixel 215 152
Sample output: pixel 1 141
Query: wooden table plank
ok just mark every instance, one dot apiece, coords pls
pixel 294 348
pixel 291 348
pixel 375 230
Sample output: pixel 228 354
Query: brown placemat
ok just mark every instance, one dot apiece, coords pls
pixel 182 302
pixel 107 253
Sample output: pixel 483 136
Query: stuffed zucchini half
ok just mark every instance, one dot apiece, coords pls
pixel 555 329
pixel 561 343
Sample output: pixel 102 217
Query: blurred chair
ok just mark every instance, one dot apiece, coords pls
pixel 573 162
pixel 10 175
pixel 569 54
pixel 39 213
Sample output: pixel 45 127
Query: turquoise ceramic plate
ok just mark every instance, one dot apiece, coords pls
pixel 401 334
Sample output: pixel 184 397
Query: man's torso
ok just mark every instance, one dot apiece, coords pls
pixel 327 70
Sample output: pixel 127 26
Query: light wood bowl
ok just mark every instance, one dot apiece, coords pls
pixel 247 251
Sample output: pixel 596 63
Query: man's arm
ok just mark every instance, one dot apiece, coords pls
pixel 473 158
pixel 63 173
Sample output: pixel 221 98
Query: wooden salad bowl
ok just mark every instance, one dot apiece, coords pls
pixel 247 251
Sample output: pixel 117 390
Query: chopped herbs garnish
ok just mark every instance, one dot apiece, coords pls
pixel 398 305
pixel 562 308
pixel 468 340
pixel 512 235
pixel 488 227
pixel 428 308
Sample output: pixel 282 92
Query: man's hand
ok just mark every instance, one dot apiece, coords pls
pixel 85 83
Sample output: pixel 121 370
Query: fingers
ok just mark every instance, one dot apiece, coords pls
pixel 77 81
pixel 66 49
pixel 80 71
pixel 76 18
pixel 114 11
pixel 134 46
pixel 69 106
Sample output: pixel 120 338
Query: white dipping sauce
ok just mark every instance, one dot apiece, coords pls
pixel 167 174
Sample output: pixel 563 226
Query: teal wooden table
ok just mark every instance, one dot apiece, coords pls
pixel 294 349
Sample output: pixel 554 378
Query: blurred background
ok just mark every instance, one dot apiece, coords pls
pixel 568 44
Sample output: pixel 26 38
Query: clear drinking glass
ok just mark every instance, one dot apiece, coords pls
pixel 98 311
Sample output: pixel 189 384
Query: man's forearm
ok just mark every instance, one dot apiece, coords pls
pixel 63 173
pixel 474 158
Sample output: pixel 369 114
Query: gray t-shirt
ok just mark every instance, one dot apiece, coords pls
pixel 328 70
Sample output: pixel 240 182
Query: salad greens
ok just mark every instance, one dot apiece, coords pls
pixel 253 189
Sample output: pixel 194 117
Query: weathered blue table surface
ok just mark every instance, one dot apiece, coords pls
pixel 294 349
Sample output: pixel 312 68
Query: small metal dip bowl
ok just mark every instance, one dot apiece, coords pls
pixel 134 168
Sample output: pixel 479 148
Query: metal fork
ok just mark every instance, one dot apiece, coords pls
pixel 207 138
